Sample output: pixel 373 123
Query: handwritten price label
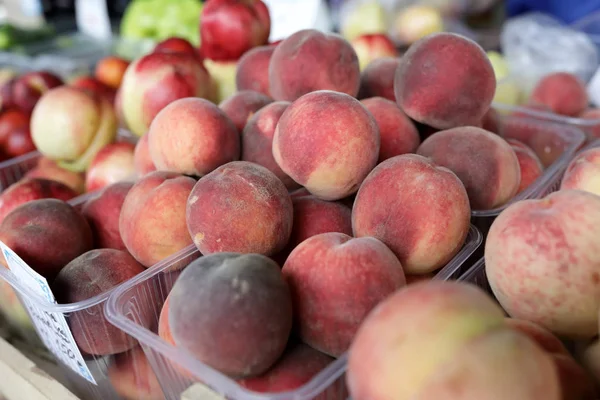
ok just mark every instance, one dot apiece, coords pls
pixel 52 327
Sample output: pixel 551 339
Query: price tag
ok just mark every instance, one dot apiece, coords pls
pixel 290 16
pixel 51 326
pixel 593 88
pixel 92 18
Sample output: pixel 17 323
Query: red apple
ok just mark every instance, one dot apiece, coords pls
pixel 110 71
pixel 175 45
pixel 19 142
pixel 6 94
pixel 370 47
pixel 229 28
pixel 95 87
pixel 114 163
pixel 10 121
pixel 28 88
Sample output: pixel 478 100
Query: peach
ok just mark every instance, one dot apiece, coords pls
pixel 428 94
pixel 30 87
pixel 19 143
pixel 223 79
pixel 543 262
pixel 298 365
pixel 240 207
pixel 371 46
pixel 112 164
pixel 175 45
pixel 102 213
pixel 152 220
pixel 540 335
pixel 583 172
pixel 229 28
pixel 492 121
pixel 563 92
pixel 142 161
pixel 485 163
pixel 132 376
pixel 89 275
pixel 417 208
pixel 49 169
pixel 257 140
pixel 10 121
pixel 397 132
pixel 335 281
pixel 377 79
pixel 233 312
pixel 29 189
pixel 156 80
pixel 253 70
pixel 95 87
pixel 327 142
pixel 592 114
pixel 412 279
pixel 110 71
pixel 530 165
pixel 47 234
pixel 309 60
pixel 448 340
pixel 192 136
pixel 243 105
pixel 72 138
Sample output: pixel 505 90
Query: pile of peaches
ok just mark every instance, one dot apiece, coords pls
pixel 323 197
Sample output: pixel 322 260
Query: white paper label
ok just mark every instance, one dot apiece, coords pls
pixel 593 88
pixel 92 18
pixel 52 327
pixel 290 16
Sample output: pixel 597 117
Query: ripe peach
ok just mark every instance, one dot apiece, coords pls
pixel 233 312
pixel 253 70
pixel 335 281
pixel 257 140
pixel 397 132
pixel 110 71
pixel 492 121
pixel 377 79
pixel 240 207
pixel 328 142
pixel 417 208
pixel 309 60
pixel 29 189
pixel 175 45
pixel 49 169
pixel 114 163
pixel 192 136
pixel 156 80
pixel 19 143
pixel 543 263
pixel 428 94
pixel 102 213
pixel 242 105
pixel 530 165
pixel 152 219
pixel 10 121
pixel 95 87
pixel 142 161
pixel 89 275
pixel 540 335
pixel 484 162
pixel 47 234
pixel 562 92
pixel 132 376
pixel 583 172
pixel 30 87
pixel 72 138
pixel 371 46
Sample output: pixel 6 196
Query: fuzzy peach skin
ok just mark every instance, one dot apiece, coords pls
pixel 327 142
pixel 89 275
pixel 309 60
pixel 492 121
pixel 157 79
pixel 192 136
pixel 542 336
pixel 28 189
pixel 49 169
pixel 242 105
pixel 372 46
pixel 233 312
pixel 257 140
pixel 417 208
pixel 112 164
pixel 133 378
pixel 530 165
pixel 397 132
pixel 72 138
pixel 583 172
pixel 562 92
pixel 335 281
pixel 47 234
pixel 440 333
pixel 252 71
pixel 430 95
pixel 377 79
pixel 102 213
pixel 240 207
pixel 152 219
pixel 142 161
pixel 542 261
pixel 484 162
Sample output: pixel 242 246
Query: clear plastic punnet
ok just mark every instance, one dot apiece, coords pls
pixel 177 371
